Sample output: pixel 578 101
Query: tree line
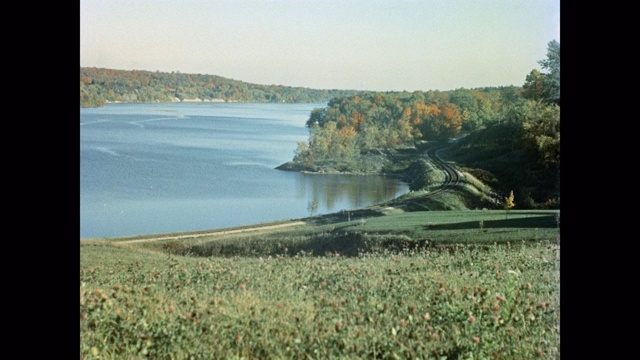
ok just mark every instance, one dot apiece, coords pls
pixel 350 126
pixel 99 86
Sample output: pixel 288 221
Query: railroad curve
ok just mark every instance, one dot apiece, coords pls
pixel 452 176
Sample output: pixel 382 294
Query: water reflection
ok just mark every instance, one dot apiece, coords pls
pixel 205 166
pixel 334 192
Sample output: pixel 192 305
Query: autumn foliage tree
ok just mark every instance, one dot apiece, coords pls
pixel 508 203
pixel 441 122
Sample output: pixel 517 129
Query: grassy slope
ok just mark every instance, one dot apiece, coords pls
pixel 394 231
pixel 494 156
pixel 430 284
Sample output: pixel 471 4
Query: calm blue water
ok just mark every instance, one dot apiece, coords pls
pixel 160 168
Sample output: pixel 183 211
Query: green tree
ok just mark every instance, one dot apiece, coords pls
pixel 542 132
pixel 552 77
pixel 303 154
pixel 533 88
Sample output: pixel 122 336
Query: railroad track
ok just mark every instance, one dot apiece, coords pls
pixel 452 176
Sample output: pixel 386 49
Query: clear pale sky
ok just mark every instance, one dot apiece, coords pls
pixel 381 45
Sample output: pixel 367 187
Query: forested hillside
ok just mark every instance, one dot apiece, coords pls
pixel 349 128
pixel 513 133
pixel 99 86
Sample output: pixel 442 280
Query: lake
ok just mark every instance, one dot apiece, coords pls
pixel 161 168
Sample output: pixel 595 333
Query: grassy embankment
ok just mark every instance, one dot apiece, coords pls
pixel 393 282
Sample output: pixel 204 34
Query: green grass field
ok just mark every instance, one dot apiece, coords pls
pixel 474 284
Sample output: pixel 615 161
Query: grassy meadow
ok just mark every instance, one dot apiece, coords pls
pixel 462 284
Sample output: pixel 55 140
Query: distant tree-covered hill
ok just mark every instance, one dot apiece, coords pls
pixel 99 86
